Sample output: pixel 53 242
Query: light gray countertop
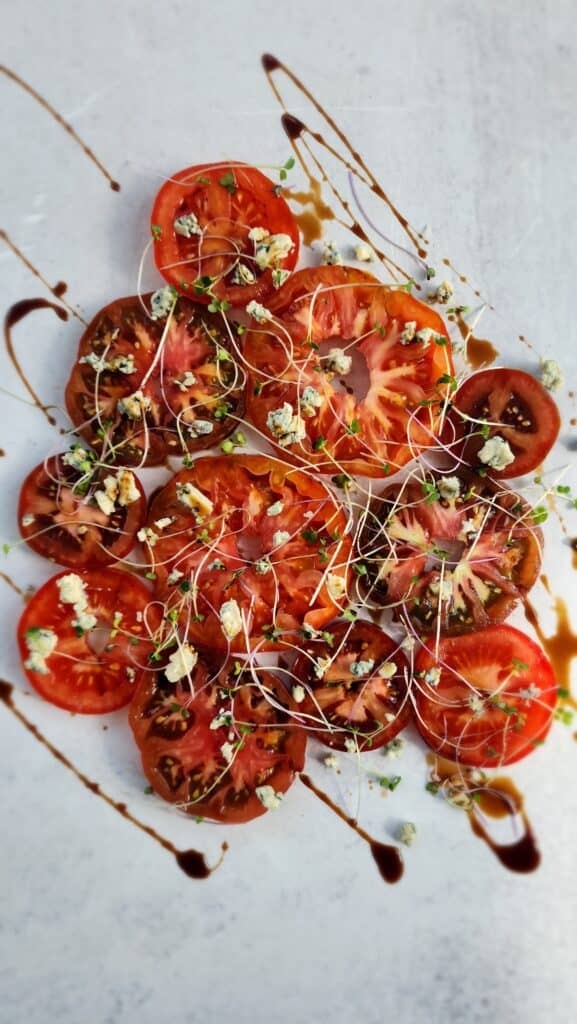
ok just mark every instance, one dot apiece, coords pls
pixel 466 112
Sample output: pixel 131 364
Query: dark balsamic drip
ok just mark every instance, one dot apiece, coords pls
pixel 272 64
pixel 15 314
pixel 60 120
pixel 521 856
pixel 269 62
pixel 58 290
pixel 295 129
pixel 13 586
pixel 387 858
pixel 192 862
pixel 498 797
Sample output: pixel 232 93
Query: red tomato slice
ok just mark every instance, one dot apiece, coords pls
pixel 469 559
pixel 217 770
pixel 517 408
pixel 192 391
pixel 348 686
pixel 95 669
pixel 60 518
pixel 225 546
pixel 494 699
pixel 221 203
pixel 345 430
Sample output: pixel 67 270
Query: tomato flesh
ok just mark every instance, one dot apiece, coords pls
pixel 94 671
pixel 490 700
pixel 466 561
pixel 345 431
pixel 280 569
pixel 183 367
pixel 226 200
pixel 209 769
pixel 359 704
pixel 60 518
pixel 517 408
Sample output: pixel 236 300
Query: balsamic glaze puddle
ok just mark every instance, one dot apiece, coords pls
pixel 192 862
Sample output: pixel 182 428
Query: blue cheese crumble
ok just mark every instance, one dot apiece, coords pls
pixel 286 425
pixel 230 618
pixel 162 302
pixel 361 668
pixel 496 453
pixel 331 255
pixel 260 313
pixel 187 225
pixel 40 643
pixel 181 663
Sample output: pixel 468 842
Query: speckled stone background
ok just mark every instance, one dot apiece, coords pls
pixel 467 113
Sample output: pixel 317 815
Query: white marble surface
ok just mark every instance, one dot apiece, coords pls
pixel 466 112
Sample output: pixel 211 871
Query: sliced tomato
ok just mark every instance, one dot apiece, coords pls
pixel 356 691
pixel 258 536
pixel 223 203
pixel 190 387
pixel 60 518
pixel 210 751
pixel 486 699
pixel 90 669
pixel 369 428
pixel 516 407
pixel 467 560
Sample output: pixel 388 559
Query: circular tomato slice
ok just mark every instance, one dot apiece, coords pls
pixel 252 549
pixel 80 514
pixel 143 388
pixel 84 639
pixel 225 749
pixel 486 699
pixel 349 375
pixel 509 405
pixel 466 559
pixel 223 230
pixel 356 691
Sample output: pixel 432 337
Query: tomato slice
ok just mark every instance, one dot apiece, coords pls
pixel 355 681
pixel 214 750
pixel 60 516
pixel 487 699
pixel 517 408
pixel 84 666
pixel 324 319
pixel 185 392
pixel 467 560
pixel 201 221
pixel 256 536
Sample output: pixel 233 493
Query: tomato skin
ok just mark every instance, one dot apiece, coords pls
pixel 194 339
pixel 487 572
pixel 493 395
pixel 366 436
pixel 182 756
pixel 361 706
pixel 219 552
pixel 230 216
pixel 78 678
pixel 493 664
pixel 49 494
